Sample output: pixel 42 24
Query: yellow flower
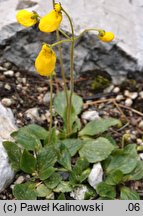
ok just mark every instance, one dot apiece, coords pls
pixel 105 36
pixel 45 61
pixel 26 18
pixel 50 22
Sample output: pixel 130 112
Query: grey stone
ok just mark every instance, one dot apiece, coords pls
pixel 6 128
pixel 90 115
pixel 21 46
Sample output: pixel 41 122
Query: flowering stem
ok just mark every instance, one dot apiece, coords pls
pixel 64 34
pixel 87 30
pixel 60 42
pixel 61 65
pixel 51 112
pixel 71 70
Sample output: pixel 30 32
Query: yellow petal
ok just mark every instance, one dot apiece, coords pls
pixel 45 61
pixel 50 22
pixel 106 36
pixel 26 18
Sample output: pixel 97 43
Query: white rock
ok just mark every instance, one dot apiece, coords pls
pixel 46 98
pixel 7 86
pixel 33 114
pixel 141 94
pixel 9 73
pixel 141 124
pixel 139 141
pixel 7 126
pixel 90 115
pixel 6 102
pixel 116 90
pixel 128 102
pixel 132 95
pixel 109 89
pixel 141 156
pixel 79 193
pixel 119 97
pixel 96 175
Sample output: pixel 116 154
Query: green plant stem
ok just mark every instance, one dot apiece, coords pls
pixel 71 69
pixel 87 30
pixel 62 67
pixel 51 112
pixel 60 42
pixel 64 34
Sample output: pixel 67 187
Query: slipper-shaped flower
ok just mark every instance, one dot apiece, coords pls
pixel 106 36
pixel 26 18
pixel 51 21
pixel 45 61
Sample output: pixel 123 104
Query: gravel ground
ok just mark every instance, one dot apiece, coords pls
pixel 28 97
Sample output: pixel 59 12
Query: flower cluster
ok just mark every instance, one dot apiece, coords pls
pixel 46 59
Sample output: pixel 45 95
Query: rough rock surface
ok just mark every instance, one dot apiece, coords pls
pixel 7 126
pixel 21 46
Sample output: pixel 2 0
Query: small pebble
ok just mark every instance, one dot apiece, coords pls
pixel 6 102
pixel 131 95
pixel 46 98
pixel 17 74
pixel 7 86
pixel 109 89
pixel 19 180
pixel 7 65
pixel 119 97
pixel 9 73
pixel 116 90
pixel 141 156
pixel 23 80
pixel 139 141
pixel 2 68
pixel 90 115
pixel 141 125
pixel 128 102
pixel 141 94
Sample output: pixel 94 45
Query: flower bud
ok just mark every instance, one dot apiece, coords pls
pixel 45 61
pixel 57 7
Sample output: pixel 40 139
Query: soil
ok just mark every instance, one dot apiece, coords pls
pixel 28 90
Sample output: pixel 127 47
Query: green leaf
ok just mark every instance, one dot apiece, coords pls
pixel 53 181
pixel 73 145
pixel 60 103
pixel 27 140
pixel 14 154
pixel 136 174
pixel 46 159
pixel 36 130
pixel 25 191
pixel 46 173
pixel 43 191
pixel 80 172
pixel 98 126
pixel 61 197
pixel 64 157
pixel 96 150
pixel 127 194
pixel 105 190
pixel 125 160
pixel 27 162
pixel 114 177
pixel 63 187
